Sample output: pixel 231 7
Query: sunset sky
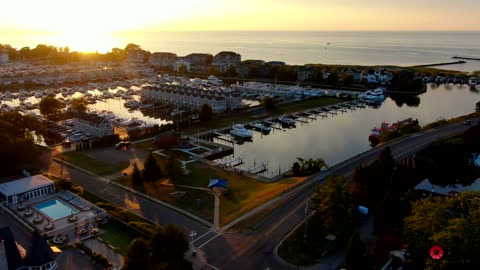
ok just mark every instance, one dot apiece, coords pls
pixel 81 19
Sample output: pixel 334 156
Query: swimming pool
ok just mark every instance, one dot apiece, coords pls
pixel 56 209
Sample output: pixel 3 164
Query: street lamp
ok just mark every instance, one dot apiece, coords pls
pixel 193 234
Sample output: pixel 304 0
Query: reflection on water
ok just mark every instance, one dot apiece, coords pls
pixel 338 137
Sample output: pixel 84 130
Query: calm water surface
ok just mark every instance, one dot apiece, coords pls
pixel 338 137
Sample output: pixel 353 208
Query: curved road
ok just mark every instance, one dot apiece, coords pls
pixel 254 250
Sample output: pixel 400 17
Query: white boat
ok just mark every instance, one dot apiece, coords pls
pixel 261 127
pixel 214 80
pixel 374 95
pixel 241 131
pixel 286 121
pixel 472 82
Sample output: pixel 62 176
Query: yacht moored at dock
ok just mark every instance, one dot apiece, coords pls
pixel 240 131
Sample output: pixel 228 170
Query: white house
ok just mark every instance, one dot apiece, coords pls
pixel 93 124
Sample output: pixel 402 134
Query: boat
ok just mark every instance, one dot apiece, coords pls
pixel 261 127
pixel 214 80
pixel 286 121
pixel 473 82
pixel 240 131
pixel 376 132
pixel 373 96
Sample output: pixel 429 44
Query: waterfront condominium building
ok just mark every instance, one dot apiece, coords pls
pixel 191 97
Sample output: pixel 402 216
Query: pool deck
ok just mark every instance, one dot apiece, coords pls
pixel 78 225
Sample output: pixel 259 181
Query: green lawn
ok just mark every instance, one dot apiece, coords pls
pixel 188 202
pixel 119 235
pixel 91 164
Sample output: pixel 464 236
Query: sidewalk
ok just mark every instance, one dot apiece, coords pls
pixel 198 261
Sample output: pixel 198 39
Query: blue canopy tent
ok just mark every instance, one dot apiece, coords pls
pixel 217 183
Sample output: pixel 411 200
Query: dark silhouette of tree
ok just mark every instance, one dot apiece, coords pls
pixel 50 107
pixel 132 47
pixel 296 169
pixel 333 76
pixel 136 176
pixel 269 103
pixel 213 71
pixel 206 113
pixel 173 168
pixel 182 69
pixel 334 206
pixel 151 171
pixel 79 104
pixel 18 136
pixel 354 252
pixel 168 249
pixel 138 255
pixel 347 79
pixel 231 72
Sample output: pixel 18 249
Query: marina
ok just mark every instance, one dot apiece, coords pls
pixel 335 135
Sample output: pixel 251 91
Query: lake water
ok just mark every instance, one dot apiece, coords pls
pixel 339 137
pixel 297 47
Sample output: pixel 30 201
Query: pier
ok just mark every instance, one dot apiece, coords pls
pixel 259 168
pixel 444 64
pixel 466 58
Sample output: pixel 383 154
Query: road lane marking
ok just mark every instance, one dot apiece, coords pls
pixel 209 240
pixel 283 219
pixel 209 265
pixel 201 236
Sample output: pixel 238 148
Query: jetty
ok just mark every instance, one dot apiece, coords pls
pixel 441 64
pixel 466 58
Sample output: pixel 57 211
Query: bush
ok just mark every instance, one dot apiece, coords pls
pixel 115 211
pixel 146 228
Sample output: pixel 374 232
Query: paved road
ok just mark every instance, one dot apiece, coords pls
pixel 139 205
pixel 254 250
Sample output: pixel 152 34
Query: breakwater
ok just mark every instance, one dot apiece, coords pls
pixel 466 58
pixel 441 64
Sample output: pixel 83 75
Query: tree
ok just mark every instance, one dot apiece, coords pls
pixel 213 70
pixel 173 168
pixel 451 222
pixel 182 69
pixel 347 79
pixel 334 206
pixel 18 136
pixel 132 47
pixel 354 252
pixel 168 249
pixel 333 76
pixel 296 169
pixel 79 104
pixel 50 107
pixel 231 72
pixel 206 113
pixel 151 171
pixel 136 176
pixel 138 255
pixel 268 103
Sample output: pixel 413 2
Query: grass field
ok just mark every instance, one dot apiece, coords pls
pixel 91 164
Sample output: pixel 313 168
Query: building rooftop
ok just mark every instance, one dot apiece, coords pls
pixel 24 184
